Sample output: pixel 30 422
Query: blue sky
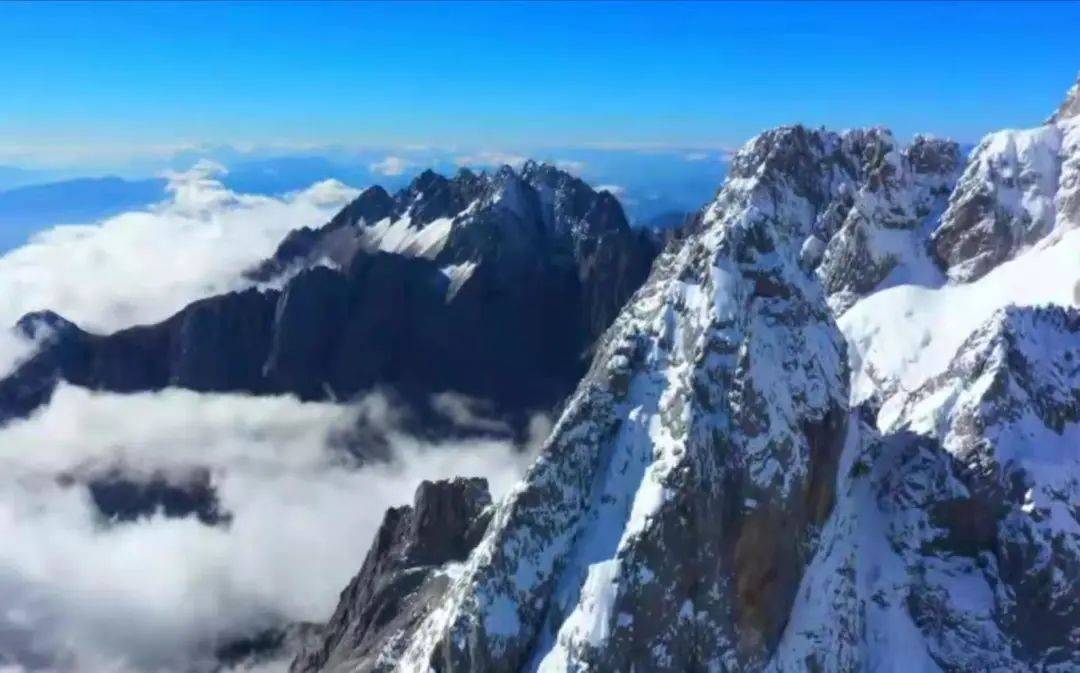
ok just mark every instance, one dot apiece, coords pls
pixel 519 75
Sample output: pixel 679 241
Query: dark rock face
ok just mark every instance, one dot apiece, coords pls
pixel 958 519
pixel 956 537
pixel 403 575
pixel 504 304
pixel 122 498
pixel 272 645
pixel 306 243
pixel 213 344
pixel 879 221
pixel 1015 409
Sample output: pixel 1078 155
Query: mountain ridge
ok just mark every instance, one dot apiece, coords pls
pixel 713 499
pixel 447 316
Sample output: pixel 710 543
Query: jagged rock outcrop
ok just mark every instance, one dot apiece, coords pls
pixel 1070 107
pixel 1019 188
pixel 473 284
pixel 1007 411
pixel 269 650
pixel 407 570
pixel 874 235
pixel 514 221
pixel 956 543
pixel 121 497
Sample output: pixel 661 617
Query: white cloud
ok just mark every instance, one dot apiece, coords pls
pixel 391 165
pixel 152 594
pixel 142 266
pixel 491 160
pixel 696 156
pixel 571 166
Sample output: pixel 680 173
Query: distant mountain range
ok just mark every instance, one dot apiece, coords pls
pixel 24 210
pixel 471 284
pixel 648 184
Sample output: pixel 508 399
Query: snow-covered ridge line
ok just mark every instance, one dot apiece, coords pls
pixel 694 359
pixel 724 492
pixel 453 219
pixel 1020 187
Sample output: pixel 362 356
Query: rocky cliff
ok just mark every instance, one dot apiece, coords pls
pixel 718 496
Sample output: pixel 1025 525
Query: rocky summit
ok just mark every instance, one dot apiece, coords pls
pixel 1019 188
pixel 722 492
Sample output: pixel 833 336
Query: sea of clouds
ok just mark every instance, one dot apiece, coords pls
pixel 142 266
pixel 81 593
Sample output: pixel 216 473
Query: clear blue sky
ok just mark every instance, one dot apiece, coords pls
pixel 522 74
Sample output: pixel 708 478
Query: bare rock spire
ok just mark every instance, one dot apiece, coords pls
pixel 1070 107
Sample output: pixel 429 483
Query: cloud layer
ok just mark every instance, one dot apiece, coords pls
pixel 391 165
pixel 82 594
pixel 142 266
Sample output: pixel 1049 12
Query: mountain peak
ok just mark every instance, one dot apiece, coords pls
pixel 1070 107
pixel 935 155
pixel 39 323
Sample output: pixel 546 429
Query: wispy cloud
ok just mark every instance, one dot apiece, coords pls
pixel 571 166
pixel 661 147
pixel 391 165
pixel 490 159
pixel 619 192
pixel 144 265
pixel 157 594
pixel 50 155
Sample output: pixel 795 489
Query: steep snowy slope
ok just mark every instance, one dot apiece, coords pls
pixel 900 337
pixel 956 540
pixel 954 543
pixel 718 497
pixel 669 520
pixel 1008 237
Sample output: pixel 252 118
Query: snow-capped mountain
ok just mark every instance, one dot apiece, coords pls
pixel 1019 188
pixel 679 498
pixel 831 432
pixel 954 544
pixel 876 228
pixel 472 284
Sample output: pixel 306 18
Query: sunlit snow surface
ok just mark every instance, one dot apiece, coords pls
pixel 900 337
pixel 962 375
pixel 578 555
pixel 402 237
